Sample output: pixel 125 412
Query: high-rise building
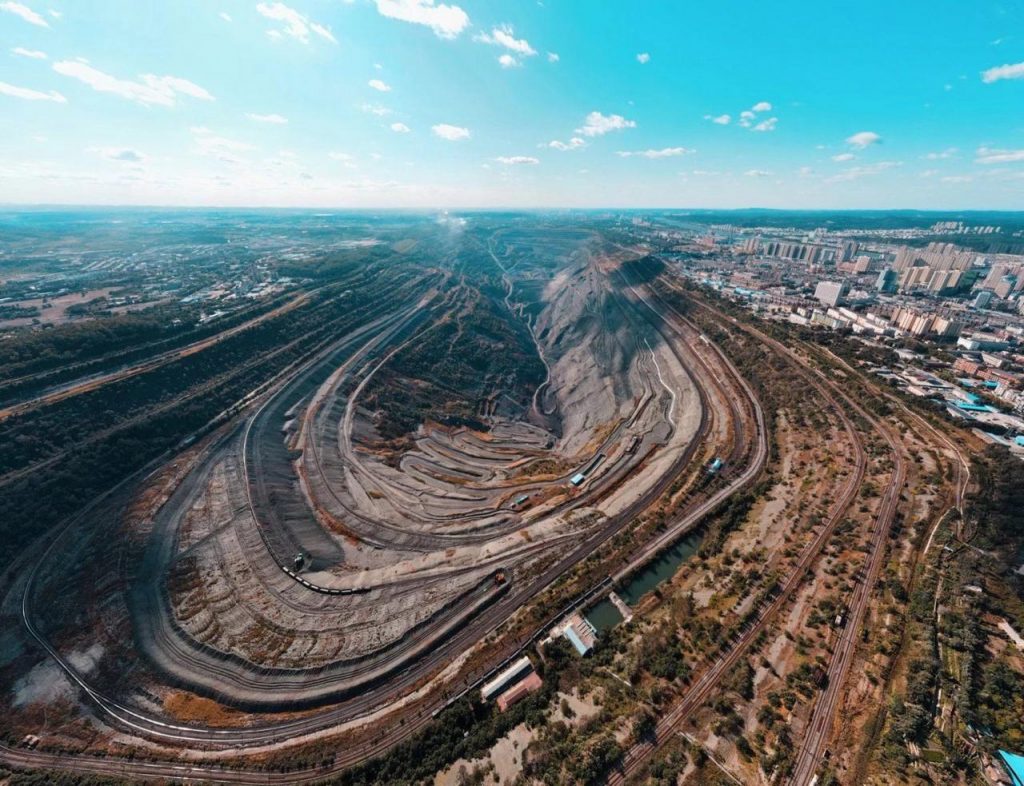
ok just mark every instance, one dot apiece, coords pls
pixel 831 293
pixel 847 250
pixel 1006 285
pixel 887 281
pixel 982 299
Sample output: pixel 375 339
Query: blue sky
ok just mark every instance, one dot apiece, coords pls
pixel 479 103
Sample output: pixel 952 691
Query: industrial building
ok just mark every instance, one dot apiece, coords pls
pixel 505 678
pixel 519 691
pixel 578 631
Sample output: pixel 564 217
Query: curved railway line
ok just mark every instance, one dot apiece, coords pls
pixel 749 447
pixel 702 688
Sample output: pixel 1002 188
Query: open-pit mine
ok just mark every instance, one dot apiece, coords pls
pixel 454 449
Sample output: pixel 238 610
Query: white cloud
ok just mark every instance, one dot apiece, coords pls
pixel 665 152
pixel 380 85
pixel 447 21
pixel 805 171
pixel 375 109
pixel 857 172
pixel 505 36
pixel 573 144
pixel 949 152
pixel 293 24
pixel 843 157
pixel 1008 71
pixel 209 143
pixel 508 61
pixel 553 57
pixel 643 57
pixel 596 124
pixel 225 16
pixel 987 155
pixel 273 119
pixel 767 125
pixel 957 179
pixel 449 132
pixel 151 89
pixel 929 173
pixel 746 118
pixel 400 128
pixel 514 160
pixel 761 106
pixel 722 120
pixel 35 54
pixel 757 173
pixel 24 12
pixel 863 139
pixel 31 95
pixel 125 155
pixel 345 158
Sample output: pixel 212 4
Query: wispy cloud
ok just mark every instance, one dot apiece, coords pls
pixel 220 147
pixel 863 139
pixel 450 132
pixel 29 94
pixel 400 128
pixel 273 119
pixel 34 54
pixel 517 160
pixel 857 172
pixel 293 23
pixel 949 152
pixel 988 155
pixel 345 158
pixel 447 21
pixel 26 13
pixel 553 57
pixel 573 144
pixel 505 36
pixel 766 125
pixel 596 124
pixel 378 84
pixel 375 109
pixel 1007 71
pixel 124 155
pixel 643 58
pixel 761 106
pixel 149 90
pixel 665 152
pixel 758 173
pixel 843 157
pixel 722 120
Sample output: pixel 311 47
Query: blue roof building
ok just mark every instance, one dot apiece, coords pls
pixel 578 478
pixel 1014 765
pixel 577 642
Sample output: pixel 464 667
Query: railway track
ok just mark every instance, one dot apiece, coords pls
pixel 488 620
pixel 701 690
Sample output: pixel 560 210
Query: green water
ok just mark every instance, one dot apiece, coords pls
pixel 604 615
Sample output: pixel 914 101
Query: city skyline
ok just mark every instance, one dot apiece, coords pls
pixel 417 104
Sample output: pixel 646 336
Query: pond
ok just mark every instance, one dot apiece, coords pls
pixel 604 615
